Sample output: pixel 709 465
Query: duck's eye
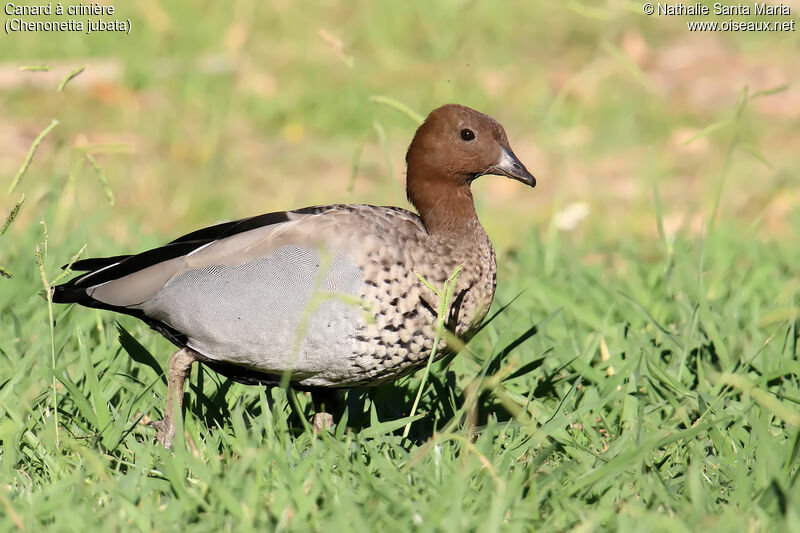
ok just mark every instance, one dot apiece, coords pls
pixel 467 135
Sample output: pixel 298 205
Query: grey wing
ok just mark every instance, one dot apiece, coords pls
pixel 270 294
pixel 295 307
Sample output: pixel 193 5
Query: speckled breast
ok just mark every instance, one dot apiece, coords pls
pixel 405 311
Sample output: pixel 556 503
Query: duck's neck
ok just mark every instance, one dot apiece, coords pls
pixel 445 205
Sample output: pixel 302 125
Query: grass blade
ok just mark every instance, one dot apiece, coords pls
pixel 27 162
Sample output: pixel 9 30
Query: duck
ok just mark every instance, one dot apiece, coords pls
pixel 321 298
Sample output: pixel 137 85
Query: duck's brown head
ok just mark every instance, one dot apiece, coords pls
pixel 451 148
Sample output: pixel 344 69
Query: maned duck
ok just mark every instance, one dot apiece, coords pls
pixel 329 295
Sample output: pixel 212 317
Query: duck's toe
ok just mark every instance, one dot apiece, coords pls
pixel 166 432
pixel 322 422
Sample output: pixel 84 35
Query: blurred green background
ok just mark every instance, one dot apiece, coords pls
pixel 213 110
pixel 644 378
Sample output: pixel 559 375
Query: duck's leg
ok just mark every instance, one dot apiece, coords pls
pixel 179 366
pixel 326 402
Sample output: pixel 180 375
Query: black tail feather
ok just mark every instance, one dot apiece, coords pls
pixel 75 292
pixel 68 294
pixel 95 263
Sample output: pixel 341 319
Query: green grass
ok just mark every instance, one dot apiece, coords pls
pixel 641 372
pixel 662 398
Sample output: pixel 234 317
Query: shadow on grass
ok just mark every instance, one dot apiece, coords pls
pixel 381 408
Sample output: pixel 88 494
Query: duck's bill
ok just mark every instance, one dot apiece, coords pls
pixel 510 166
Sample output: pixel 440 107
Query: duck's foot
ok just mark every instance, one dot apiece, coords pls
pixel 166 431
pixel 322 422
pixel 326 403
pixel 179 366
